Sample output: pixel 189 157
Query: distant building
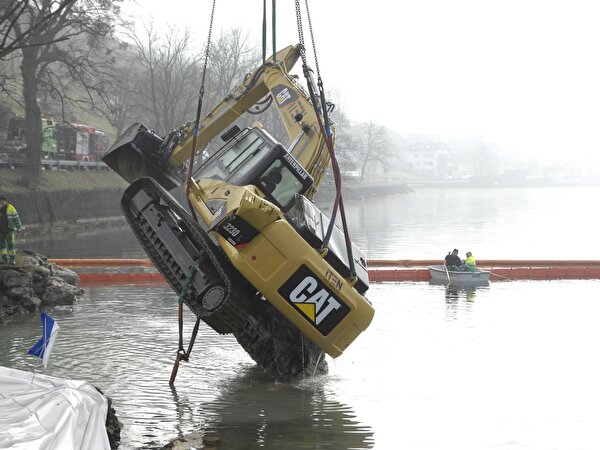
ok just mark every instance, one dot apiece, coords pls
pixel 565 173
pixel 429 159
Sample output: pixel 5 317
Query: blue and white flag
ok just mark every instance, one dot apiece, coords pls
pixel 43 347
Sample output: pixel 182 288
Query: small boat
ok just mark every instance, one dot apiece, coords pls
pixel 439 274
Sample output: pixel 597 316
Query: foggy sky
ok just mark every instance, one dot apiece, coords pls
pixel 522 74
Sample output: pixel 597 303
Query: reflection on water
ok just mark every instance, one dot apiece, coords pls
pixel 459 297
pixel 114 242
pixel 492 223
pixel 252 411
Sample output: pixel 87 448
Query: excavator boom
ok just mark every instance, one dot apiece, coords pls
pixel 160 159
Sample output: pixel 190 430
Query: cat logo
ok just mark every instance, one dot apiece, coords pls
pixel 311 297
pixel 283 95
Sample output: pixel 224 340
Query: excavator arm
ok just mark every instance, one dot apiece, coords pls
pixel 295 109
pixel 272 78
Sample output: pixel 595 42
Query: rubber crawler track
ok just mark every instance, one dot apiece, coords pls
pixel 231 316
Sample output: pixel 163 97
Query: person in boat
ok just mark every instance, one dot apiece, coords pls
pixel 453 261
pixel 470 265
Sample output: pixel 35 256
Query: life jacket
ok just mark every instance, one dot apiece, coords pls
pixel 470 264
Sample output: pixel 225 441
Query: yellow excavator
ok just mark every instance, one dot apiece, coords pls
pixel 251 254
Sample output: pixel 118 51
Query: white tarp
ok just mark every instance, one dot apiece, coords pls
pixel 50 413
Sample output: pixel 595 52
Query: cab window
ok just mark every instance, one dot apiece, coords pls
pixel 280 183
pixel 222 166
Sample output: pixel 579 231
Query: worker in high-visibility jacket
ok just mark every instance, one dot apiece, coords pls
pixel 10 223
pixel 470 265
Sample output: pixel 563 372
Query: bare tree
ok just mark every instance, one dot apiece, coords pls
pixel 13 15
pixel 170 69
pixel 345 145
pixel 373 147
pixel 231 57
pixel 122 100
pixel 64 53
pixel 156 78
pixel 119 98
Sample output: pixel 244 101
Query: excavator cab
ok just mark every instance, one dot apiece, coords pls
pixel 253 157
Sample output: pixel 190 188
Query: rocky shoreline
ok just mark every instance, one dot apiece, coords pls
pixel 33 284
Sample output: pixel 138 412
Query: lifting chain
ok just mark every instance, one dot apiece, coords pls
pixel 208 39
pixel 200 98
pixel 301 36
pixel 300 32
pixel 312 40
pixel 182 355
pixel 324 124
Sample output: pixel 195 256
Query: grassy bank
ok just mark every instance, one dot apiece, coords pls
pixel 53 181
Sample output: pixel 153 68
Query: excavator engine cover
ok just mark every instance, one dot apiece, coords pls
pixel 312 225
pixel 136 154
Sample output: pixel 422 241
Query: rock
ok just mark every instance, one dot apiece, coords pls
pixel 189 441
pixel 13 278
pixel 19 292
pixel 33 283
pixel 21 297
pixel 59 292
pixel 67 275
pixel 113 426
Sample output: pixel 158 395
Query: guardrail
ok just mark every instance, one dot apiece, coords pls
pixel 56 164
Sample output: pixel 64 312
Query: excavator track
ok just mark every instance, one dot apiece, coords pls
pixel 180 248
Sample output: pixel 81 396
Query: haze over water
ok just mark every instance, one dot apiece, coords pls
pixel 506 366
pixel 535 223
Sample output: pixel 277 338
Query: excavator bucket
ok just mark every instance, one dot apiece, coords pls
pixel 136 154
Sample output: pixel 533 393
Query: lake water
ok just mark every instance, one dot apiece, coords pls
pixel 506 366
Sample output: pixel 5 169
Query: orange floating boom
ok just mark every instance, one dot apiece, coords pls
pixel 379 270
pixel 487 262
pixel 372 263
pixel 90 262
